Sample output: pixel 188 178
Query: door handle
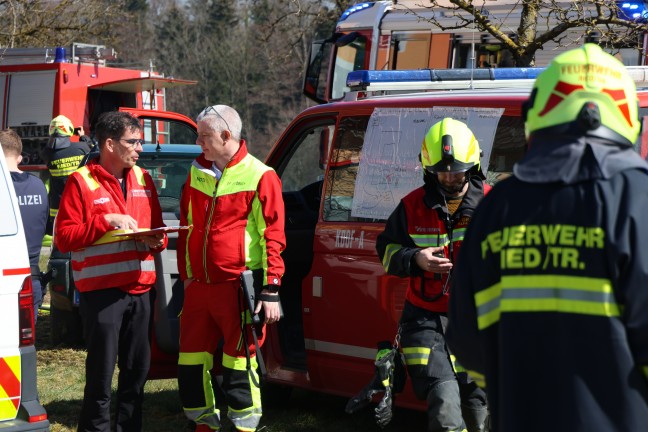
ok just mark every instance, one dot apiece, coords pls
pixel 347 258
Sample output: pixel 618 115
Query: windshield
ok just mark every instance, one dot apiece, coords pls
pixel 169 174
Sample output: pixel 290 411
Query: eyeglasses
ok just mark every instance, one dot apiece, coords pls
pixel 211 108
pixel 132 143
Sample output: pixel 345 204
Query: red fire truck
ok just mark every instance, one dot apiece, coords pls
pixel 401 34
pixel 37 84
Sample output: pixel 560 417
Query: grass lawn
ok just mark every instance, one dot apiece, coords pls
pixel 61 378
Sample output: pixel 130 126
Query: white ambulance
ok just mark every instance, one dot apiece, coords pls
pixel 20 409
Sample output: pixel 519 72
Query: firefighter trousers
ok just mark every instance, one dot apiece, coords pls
pixel 454 401
pixel 211 313
pixel 115 329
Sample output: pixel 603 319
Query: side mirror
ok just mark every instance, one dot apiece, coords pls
pixel 315 78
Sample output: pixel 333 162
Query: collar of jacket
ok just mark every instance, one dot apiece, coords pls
pixel 238 157
pixel 99 172
pixel 569 160
pixel 58 142
pixel 474 194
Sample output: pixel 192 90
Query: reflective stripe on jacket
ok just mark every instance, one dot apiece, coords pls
pixel 419 221
pixel 62 158
pixel 107 261
pixel 551 292
pixel 238 221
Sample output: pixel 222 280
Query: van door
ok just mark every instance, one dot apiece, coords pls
pixel 300 162
pixel 349 303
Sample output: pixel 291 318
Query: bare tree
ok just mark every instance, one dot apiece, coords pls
pixel 563 22
pixel 39 23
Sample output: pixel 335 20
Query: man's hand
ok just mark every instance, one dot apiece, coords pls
pixel 270 308
pixel 428 262
pixel 153 241
pixel 121 221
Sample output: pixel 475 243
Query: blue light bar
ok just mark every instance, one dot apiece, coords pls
pixel 364 78
pixel 355 8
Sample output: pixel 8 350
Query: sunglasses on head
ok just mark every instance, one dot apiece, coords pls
pixel 209 109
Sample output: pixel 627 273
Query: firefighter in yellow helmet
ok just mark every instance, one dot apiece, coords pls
pixel 421 241
pixel 550 299
pixel 62 157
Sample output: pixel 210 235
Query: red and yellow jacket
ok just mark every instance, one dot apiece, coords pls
pixel 238 221
pixel 100 260
pixel 419 221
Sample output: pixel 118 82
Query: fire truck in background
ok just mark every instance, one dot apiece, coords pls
pixel 37 84
pixel 399 34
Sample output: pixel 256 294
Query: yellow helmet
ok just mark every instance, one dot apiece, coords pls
pixel 449 145
pixel 61 125
pixel 585 91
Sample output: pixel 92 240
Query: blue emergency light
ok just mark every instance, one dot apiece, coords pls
pixel 364 78
pixel 355 8
pixel 633 10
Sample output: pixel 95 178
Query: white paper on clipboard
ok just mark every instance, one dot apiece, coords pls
pixel 154 231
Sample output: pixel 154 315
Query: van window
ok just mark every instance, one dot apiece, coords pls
pixel 306 165
pixel 8 221
pixel 411 50
pixel 340 182
pixel 509 146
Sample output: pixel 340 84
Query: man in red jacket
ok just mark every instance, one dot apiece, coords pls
pixel 113 274
pixel 235 205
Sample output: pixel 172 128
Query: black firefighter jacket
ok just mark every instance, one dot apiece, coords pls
pixel 550 297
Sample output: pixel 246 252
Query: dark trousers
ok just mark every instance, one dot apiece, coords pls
pixel 37 288
pixel 38 295
pixel 116 329
pixel 452 398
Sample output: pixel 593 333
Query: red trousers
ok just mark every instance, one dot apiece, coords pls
pixel 211 313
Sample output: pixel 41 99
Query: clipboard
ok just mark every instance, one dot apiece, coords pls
pixel 154 231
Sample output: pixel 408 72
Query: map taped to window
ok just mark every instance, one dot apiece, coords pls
pixel 389 166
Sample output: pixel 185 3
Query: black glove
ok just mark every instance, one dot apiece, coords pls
pixel 364 397
pixel 375 386
pixel 388 378
pixel 384 408
pixel 385 366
